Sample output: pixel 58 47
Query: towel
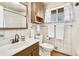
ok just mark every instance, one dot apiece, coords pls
pixel 59 31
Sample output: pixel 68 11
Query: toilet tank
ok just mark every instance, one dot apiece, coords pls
pixel 39 37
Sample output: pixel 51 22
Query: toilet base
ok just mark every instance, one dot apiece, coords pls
pixel 43 52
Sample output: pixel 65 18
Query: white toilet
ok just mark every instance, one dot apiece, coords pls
pixel 45 48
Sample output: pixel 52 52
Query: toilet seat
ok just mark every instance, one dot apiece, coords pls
pixel 47 46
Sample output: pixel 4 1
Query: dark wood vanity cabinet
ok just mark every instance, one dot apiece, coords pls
pixel 37 12
pixel 30 51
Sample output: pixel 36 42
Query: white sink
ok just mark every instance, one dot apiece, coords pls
pixel 11 48
pixel 19 44
pixel 4 50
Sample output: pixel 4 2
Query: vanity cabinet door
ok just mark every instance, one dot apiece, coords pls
pixel 36 52
pixel 33 50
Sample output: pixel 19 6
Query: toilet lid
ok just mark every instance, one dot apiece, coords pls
pixel 46 45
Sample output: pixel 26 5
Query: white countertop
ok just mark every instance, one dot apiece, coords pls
pixel 11 49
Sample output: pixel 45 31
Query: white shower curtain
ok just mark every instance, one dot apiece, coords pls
pixel 68 12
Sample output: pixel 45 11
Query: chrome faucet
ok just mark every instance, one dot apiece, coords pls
pixel 16 39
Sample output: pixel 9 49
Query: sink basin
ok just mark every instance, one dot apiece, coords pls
pixel 18 45
pixel 9 48
pixel 4 50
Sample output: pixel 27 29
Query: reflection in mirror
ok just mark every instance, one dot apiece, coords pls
pixel 13 15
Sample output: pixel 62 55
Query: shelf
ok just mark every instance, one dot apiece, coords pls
pixel 39 20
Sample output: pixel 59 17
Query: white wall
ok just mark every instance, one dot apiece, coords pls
pixel 1 16
pixel 75 33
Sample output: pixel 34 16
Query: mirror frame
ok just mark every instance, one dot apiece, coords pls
pixel 26 5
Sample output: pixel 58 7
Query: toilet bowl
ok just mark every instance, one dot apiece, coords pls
pixel 47 47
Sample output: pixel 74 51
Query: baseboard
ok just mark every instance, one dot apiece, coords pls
pixel 60 53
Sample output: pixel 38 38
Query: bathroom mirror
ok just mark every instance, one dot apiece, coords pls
pixel 13 15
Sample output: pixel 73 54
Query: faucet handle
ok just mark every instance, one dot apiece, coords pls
pixel 23 38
